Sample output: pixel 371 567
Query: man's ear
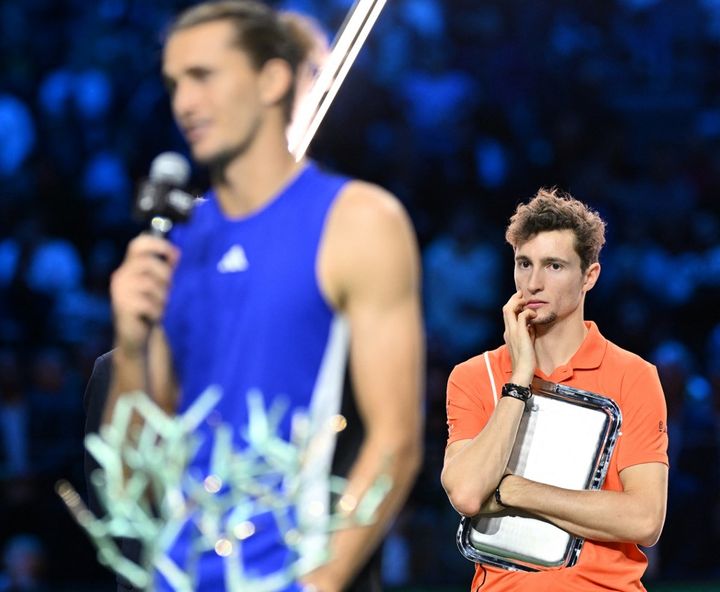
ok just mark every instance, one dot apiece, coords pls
pixel 275 81
pixel 592 273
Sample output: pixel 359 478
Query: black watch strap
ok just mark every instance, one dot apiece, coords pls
pixel 516 391
pixel 498 498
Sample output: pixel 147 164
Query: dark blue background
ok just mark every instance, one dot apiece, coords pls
pixel 462 109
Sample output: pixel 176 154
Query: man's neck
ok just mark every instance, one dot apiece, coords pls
pixel 255 177
pixel 555 345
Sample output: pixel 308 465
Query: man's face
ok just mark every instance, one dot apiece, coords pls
pixel 214 89
pixel 547 272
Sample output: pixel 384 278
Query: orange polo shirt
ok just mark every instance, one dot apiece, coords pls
pixel 601 367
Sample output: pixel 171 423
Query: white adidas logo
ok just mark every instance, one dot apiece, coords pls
pixel 233 261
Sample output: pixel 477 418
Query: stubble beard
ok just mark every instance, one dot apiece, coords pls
pixel 545 321
pixel 218 163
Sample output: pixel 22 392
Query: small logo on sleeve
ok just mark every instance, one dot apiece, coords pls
pixel 662 427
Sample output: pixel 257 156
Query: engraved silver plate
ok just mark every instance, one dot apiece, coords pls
pixel 566 438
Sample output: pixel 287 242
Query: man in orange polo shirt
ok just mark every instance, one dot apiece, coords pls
pixel 557 242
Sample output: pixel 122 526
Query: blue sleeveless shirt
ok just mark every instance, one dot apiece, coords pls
pixel 244 313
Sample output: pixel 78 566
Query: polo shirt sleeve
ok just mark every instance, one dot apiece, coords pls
pixel 467 409
pixel 644 424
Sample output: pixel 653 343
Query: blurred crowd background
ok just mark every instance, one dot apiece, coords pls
pixel 462 109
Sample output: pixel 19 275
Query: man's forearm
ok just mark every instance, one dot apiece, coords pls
pixel 471 474
pixel 611 516
pixel 149 371
pixel 128 374
pixel 351 548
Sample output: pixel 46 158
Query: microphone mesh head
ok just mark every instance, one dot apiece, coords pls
pixel 170 168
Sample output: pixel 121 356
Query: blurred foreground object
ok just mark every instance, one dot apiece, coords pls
pixel 161 498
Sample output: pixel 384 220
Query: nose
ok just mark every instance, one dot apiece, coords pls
pixel 535 281
pixel 184 100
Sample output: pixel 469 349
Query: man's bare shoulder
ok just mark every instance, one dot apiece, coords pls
pixel 362 203
pixel 369 245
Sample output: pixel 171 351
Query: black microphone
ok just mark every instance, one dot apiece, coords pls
pixel 161 201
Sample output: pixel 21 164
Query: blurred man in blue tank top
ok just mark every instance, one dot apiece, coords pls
pixel 284 274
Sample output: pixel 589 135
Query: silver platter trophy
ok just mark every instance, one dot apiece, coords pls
pixel 566 438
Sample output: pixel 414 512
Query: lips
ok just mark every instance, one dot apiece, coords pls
pixel 194 132
pixel 533 304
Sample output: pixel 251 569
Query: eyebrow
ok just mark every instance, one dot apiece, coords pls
pixel 544 261
pixel 192 71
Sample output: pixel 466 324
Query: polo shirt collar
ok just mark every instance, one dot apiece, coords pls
pixel 592 350
pixel 588 356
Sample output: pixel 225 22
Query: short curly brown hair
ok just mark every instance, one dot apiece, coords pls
pixel 552 209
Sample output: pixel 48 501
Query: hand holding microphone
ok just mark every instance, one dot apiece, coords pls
pixel 139 287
